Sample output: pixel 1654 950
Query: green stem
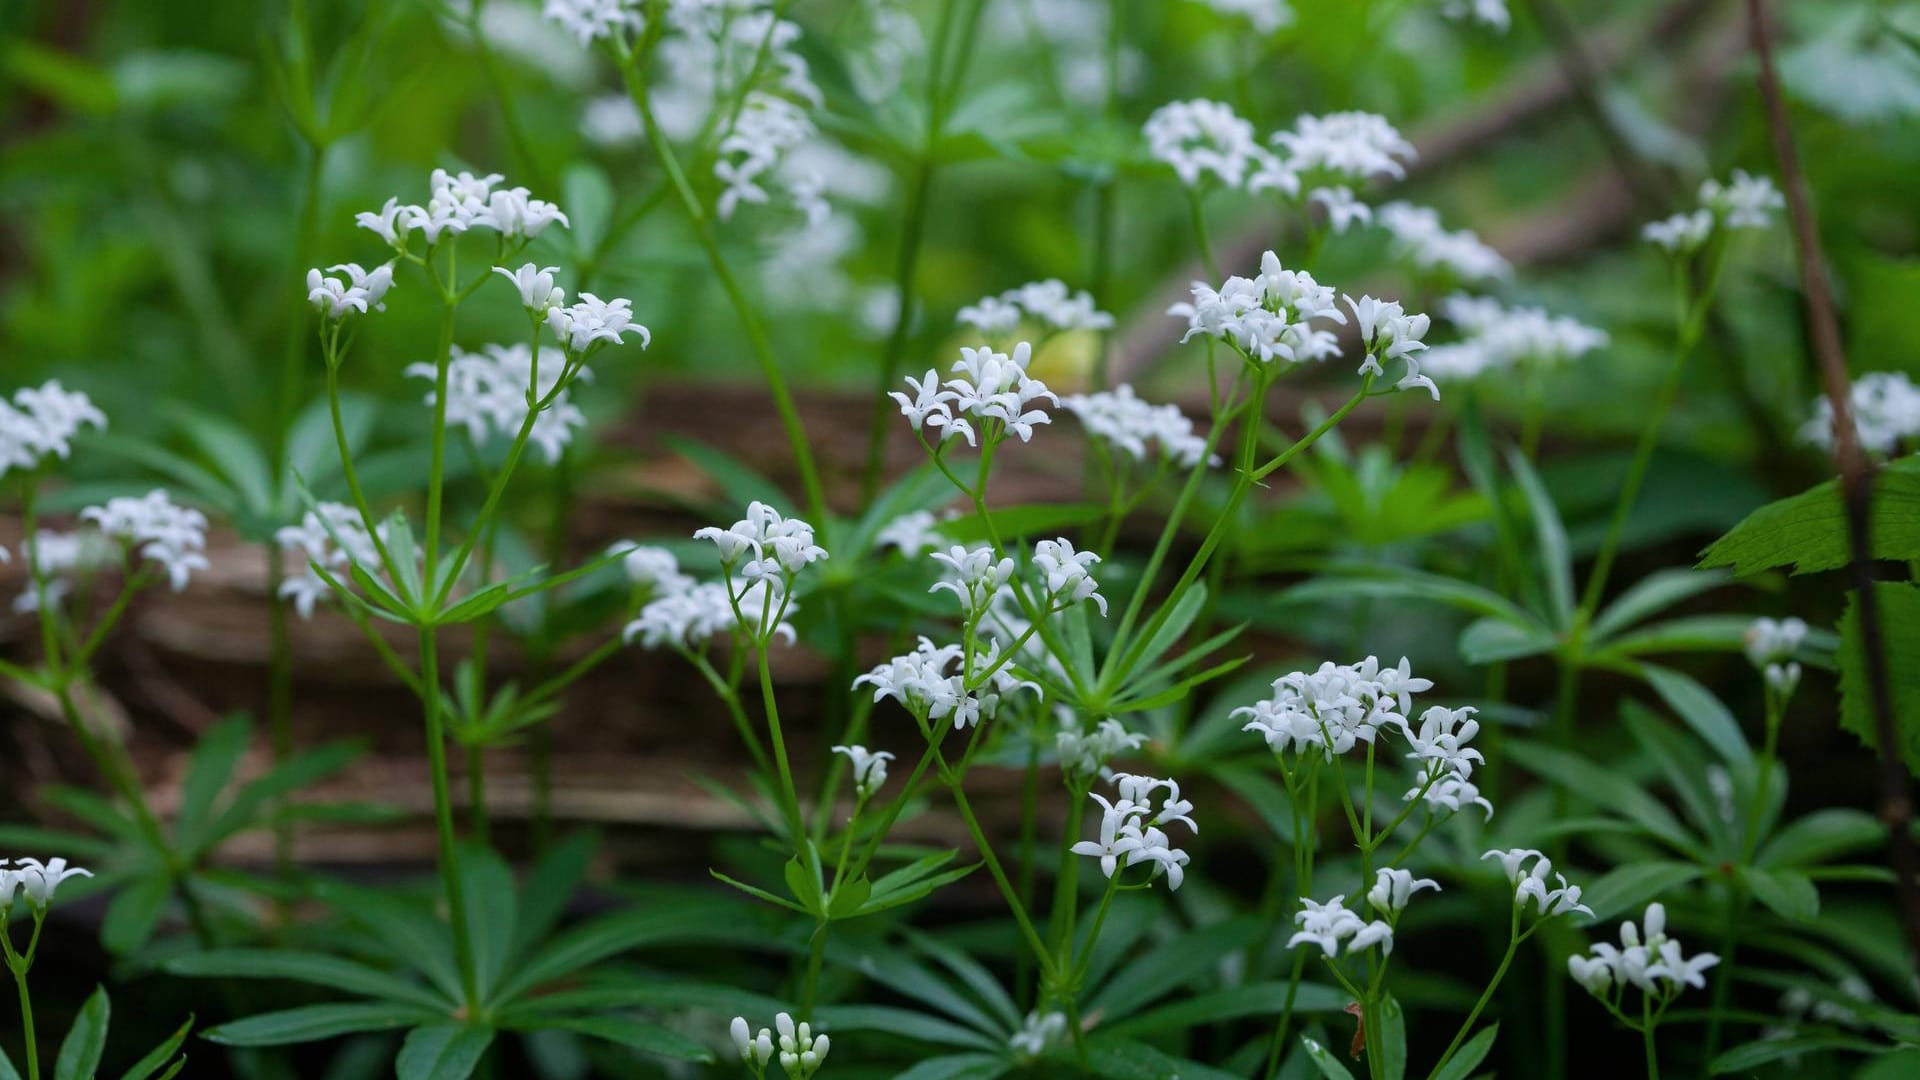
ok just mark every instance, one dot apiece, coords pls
pixel 443 819
pixel 775 736
pixel 980 843
pixel 279 697
pixel 1646 1039
pixel 437 474
pixel 26 1023
pixel 1499 973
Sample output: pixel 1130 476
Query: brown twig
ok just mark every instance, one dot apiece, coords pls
pixel 1856 483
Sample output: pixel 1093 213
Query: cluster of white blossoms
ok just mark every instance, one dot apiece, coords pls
pixel 800 1051
pixel 157 529
pixel 1268 317
pixel 1389 333
pixel 332 537
pixel 767 549
pixel 1130 828
pixel 1264 16
pixel 1497 338
pixel 1202 138
pixel 925 683
pixel 1392 888
pixel 1069 575
pixel 1530 883
pixel 1742 202
pixel 1086 753
pixel 54 557
pixel 41 421
pixel 652 568
pixel 457 203
pixel 869 768
pixel 989 398
pixel 590 20
pixel 35 881
pixel 764 136
pixel 1120 419
pixel 914 533
pixel 360 290
pixel 1647 958
pixel 1344 148
pixel 765 545
pixel 702 611
pixel 1432 248
pixel 1770 645
pixel 1048 302
pixel 1492 14
pixel 1320 159
pixel 1337 931
pixel 1886 412
pixel 488 391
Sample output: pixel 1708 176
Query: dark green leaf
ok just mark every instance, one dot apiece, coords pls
pixel 1468 1058
pixel 135 911
pixel 86 1041
pixel 1786 893
pixel 1650 595
pixel 209 771
pixel 1324 1060
pixel 442 1052
pixel 1605 789
pixel 316 969
pixel 905 1023
pixel 634 1035
pixel 550 886
pixel 1487 641
pixel 160 1055
pixel 1822 835
pixel 1702 712
pixel 1556 562
pixel 1626 888
pixel 1167 967
pixel 1747 1056
pixel 1899 610
pixel 1808 531
pixel 312 1023
pixel 488 885
pixel 1259 999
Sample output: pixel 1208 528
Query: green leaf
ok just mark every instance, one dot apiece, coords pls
pixel 1178 691
pixel 313 452
pixel 409 933
pixel 1468 1058
pixel 1683 763
pixel 160 1055
pixel 476 606
pixel 1017 522
pixel 700 922
pixel 1392 1038
pixel 760 894
pixel 315 969
pixel 1787 893
pixel 442 1052
pixel 209 771
pixel 1124 1059
pixel 312 1023
pixel 849 897
pixel 86 1041
pixel 892 968
pixel 1169 966
pixel 1605 789
pixel 959 1067
pixel 248 808
pixel 1172 627
pixel 1765 1051
pixel 1556 561
pixel 634 1035
pixel 488 885
pixel 1258 999
pixel 1692 633
pixel 1397 583
pixel 135 911
pixel 1626 888
pixel 1650 595
pixel 405 555
pixel 1899 610
pixel 904 1023
pixel 232 451
pixel 7 1071
pixel 1487 641
pixel 971 972
pixel 550 886
pixel 804 884
pixel 1808 531
pixel 1324 1060
pixel 1823 835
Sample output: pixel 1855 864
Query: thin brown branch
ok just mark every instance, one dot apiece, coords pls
pixel 1856 482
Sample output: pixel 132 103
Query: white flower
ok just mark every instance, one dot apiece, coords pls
pixel 1499 338
pixel 1129 829
pixel 1442 740
pixel 912 534
pixel 1330 926
pixel 1200 138
pixel 538 293
pixel 1036 1034
pixel 590 20
pixel 653 568
pixel 992 315
pixel 1343 209
pixel 1451 793
pixel 516 215
pixel 1549 901
pixel 334 537
pixel 1052 303
pixel 780 546
pixel 1492 14
pixel 869 768
pixel 591 320
pixel 1068 575
pixel 1885 406
pixel 930 406
pixel 994 387
pixel 1392 888
pixel 973 576
pixel 1681 233
pixel 754 1051
pixel 1423 241
pixel 801 1051
pixel 611 121
pixel 363 290
pixel 1743 202
pixel 1783 678
pixel 37 880
pixel 1135 428
pixel 1264 16
pixel 1653 962
pixel 761 142
pixel 389 223
pixel 1113 843
pixel 52 556
pixel 487 394
pixel 920 683
pixel 1086 754
pixel 1334 707
pixel 1513 862
pixel 1770 641
pixel 41 421
pixel 158 529
pixel 1268 317
pixel 1350 146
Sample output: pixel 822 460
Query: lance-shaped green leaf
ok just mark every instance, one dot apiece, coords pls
pixel 86 1041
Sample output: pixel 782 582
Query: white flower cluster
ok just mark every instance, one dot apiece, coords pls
pixel 1267 317
pixel 590 20
pixel 652 568
pixel 1647 958
pixel 1130 828
pixel 1050 302
pixel 1264 16
pixel 1500 338
pixel 764 136
pixel 973 576
pixel 1086 753
pixel 1337 930
pixel 53 557
pixel 1389 333
pixel 767 548
pixel 913 534
pixel 1201 138
pixel 487 394
pixel 1742 202
pixel 1119 418
pixel 1069 574
pixel 1323 157
pixel 42 420
pixel 922 683
pixel 779 546
pixel 1426 243
pixel 1040 1031
pixel 1342 147
pixel 1492 14
pixel 801 1052
pixel 158 529
pixel 457 203
pixel 1886 412
pixel 333 537
pixel 869 768
pixel 705 610
pixel 361 290
pixel 1334 708
pixel 992 393
pixel 34 880
pixel 591 320
pixel 1531 884
pixel 1770 645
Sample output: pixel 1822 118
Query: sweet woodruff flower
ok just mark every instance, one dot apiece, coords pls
pixel 1392 888
pixel 1264 16
pixel 1036 1034
pixel 920 681
pixel 1069 576
pixel 1345 146
pixel 538 293
pixel 53 556
pixel 1334 929
pixel 487 394
pixel 592 320
pixel 869 768
pixel 1651 961
pixel 1130 829
pixel 1267 317
pixel 1441 740
pixel 1201 138
pixel 41 421
pixel 755 1051
pixel 1743 201
pixel 1499 338
pixel 1769 641
pixel 1335 707
pixel 457 203
pixel 912 534
pixel 590 20
pixel 772 545
pixel 760 148
pixel 1531 884
pixel 692 618
pixel 1048 302
pixel 1885 406
pixel 1681 233
pixel 1086 753
pixel 1423 241
pixel 973 576
pixel 156 528
pixel 1450 793
pixel 35 881
pixel 652 568
pixel 361 290
pixel 1389 333
pixel 334 537
pixel 1121 420
pixel 1342 208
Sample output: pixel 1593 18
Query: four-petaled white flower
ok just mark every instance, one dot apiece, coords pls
pixel 1134 427
pixel 35 881
pixel 974 576
pixel 362 290
pixel 1069 577
pixel 1333 928
pixel 538 293
pixel 1393 887
pixel 993 388
pixel 1129 829
pixel 869 768
pixel 1647 958
pixel 592 320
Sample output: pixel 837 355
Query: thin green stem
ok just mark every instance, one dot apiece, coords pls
pixel 1486 996
pixel 443 818
pixel 26 1022
pixel 779 741
pixel 1048 965
pixel 437 474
